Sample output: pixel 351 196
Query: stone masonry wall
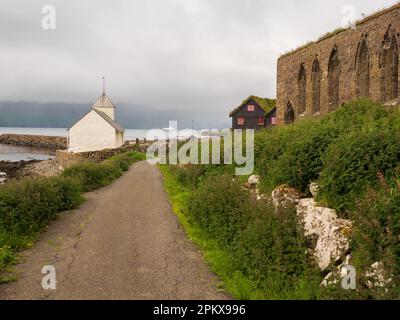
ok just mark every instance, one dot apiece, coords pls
pixel 66 159
pixel 348 64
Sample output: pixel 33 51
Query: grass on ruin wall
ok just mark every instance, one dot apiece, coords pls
pixel 28 205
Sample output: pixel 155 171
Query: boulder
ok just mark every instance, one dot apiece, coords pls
pixel 338 274
pixel 285 195
pixel 254 181
pixel 314 189
pixel 377 276
pixel 332 234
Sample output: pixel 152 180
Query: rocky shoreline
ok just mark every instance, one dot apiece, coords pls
pixel 56 146
pixel 13 169
pixel 48 142
pixel 32 168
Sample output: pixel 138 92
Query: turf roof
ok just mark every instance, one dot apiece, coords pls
pixel 266 104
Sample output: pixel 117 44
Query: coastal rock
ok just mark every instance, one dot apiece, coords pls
pixel 285 195
pixel 332 234
pixel 13 169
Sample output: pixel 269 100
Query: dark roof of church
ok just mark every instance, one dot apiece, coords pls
pixel 103 102
pixel 115 125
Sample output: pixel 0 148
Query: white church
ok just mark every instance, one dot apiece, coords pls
pixel 97 129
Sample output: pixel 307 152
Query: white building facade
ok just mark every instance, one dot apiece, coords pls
pixel 97 129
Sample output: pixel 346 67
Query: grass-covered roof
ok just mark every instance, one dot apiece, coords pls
pixel 266 104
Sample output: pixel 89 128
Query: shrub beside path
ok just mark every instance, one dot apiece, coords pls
pixel 124 242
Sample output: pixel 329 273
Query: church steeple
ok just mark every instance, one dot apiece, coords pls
pixel 104 104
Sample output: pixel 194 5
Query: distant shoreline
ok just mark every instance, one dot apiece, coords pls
pixel 130 134
pixel 40 141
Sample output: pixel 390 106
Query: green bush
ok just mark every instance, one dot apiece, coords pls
pixel 26 206
pixel 272 252
pixel 354 163
pixel 343 151
pixel 6 257
pixel 189 176
pixel 220 207
pixel 303 158
pixel 376 236
pixel 293 154
pixel 359 114
pixel 96 175
pixel 93 175
pixel 263 246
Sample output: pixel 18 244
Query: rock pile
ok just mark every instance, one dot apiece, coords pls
pixel 13 169
pixel 330 235
pixel 48 168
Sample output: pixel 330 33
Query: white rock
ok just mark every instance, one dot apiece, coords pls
pixel 338 274
pixel 332 233
pixel 330 279
pixel 285 195
pixel 314 189
pixel 254 180
pixel 377 276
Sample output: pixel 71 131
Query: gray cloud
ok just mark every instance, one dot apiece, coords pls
pixel 186 59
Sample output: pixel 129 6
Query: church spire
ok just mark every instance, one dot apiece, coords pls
pixel 104 85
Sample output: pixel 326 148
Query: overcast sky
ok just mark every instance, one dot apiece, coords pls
pixel 196 59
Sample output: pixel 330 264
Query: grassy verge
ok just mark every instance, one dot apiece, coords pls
pixel 27 206
pixel 233 247
pixel 218 259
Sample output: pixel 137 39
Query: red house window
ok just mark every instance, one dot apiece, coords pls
pixel 273 121
pixel 251 108
pixel 261 121
pixel 240 121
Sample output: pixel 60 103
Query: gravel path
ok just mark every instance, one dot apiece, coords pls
pixel 124 242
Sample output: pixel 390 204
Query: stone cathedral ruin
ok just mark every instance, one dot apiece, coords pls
pixel 359 62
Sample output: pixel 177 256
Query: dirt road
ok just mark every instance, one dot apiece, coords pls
pixel 124 242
